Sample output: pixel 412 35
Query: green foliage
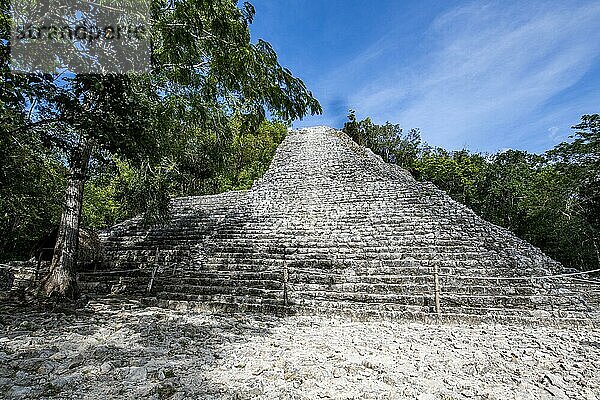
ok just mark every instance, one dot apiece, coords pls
pixel 102 205
pixel 459 173
pixel 388 140
pixel 31 186
pixel 32 177
pixel 203 50
pixel 206 165
pixel 507 189
pixel 578 163
pixel 145 190
pixel 250 154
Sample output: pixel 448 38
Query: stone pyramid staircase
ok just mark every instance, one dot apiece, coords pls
pixel 331 227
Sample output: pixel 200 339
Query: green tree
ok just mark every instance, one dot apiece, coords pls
pixel 507 187
pixel 387 140
pixel 249 154
pixel 578 162
pixel 119 190
pixel 205 70
pixel 459 173
pixel 31 175
pixel 31 182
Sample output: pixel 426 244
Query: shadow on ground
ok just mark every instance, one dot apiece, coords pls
pixel 116 348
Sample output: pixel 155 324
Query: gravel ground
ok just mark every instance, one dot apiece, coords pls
pixel 119 349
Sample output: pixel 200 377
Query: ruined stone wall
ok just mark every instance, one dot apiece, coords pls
pixel 332 227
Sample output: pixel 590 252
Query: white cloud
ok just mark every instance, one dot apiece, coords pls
pixel 486 70
pixel 554 133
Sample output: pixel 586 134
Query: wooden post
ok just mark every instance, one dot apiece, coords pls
pixel 38 266
pixel 436 282
pixel 285 282
pixel 151 283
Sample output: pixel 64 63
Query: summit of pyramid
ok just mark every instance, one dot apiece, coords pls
pixel 332 227
pixel 321 153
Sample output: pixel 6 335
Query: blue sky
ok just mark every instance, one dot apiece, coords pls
pixel 482 75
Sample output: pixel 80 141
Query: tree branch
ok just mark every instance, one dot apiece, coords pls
pixel 34 124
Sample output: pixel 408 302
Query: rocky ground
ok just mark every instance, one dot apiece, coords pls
pixel 119 349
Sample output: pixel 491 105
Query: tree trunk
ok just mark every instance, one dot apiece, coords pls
pixel 61 280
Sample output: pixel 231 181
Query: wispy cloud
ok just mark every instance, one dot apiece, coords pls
pixel 484 69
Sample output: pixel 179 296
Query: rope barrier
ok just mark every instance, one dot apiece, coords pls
pixel 575 273
pixel 110 272
pixel 491 278
pixel 516 278
pixel 586 280
pixel 571 275
pixel 308 271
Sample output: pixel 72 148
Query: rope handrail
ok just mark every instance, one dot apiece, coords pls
pixel 109 271
pixel 308 271
pixel 594 281
pixel 570 275
pixel 492 278
pixel 509 278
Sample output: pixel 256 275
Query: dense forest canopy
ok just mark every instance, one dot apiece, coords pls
pixel 551 200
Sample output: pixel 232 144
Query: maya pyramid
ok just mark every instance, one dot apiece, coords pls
pixel 331 227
